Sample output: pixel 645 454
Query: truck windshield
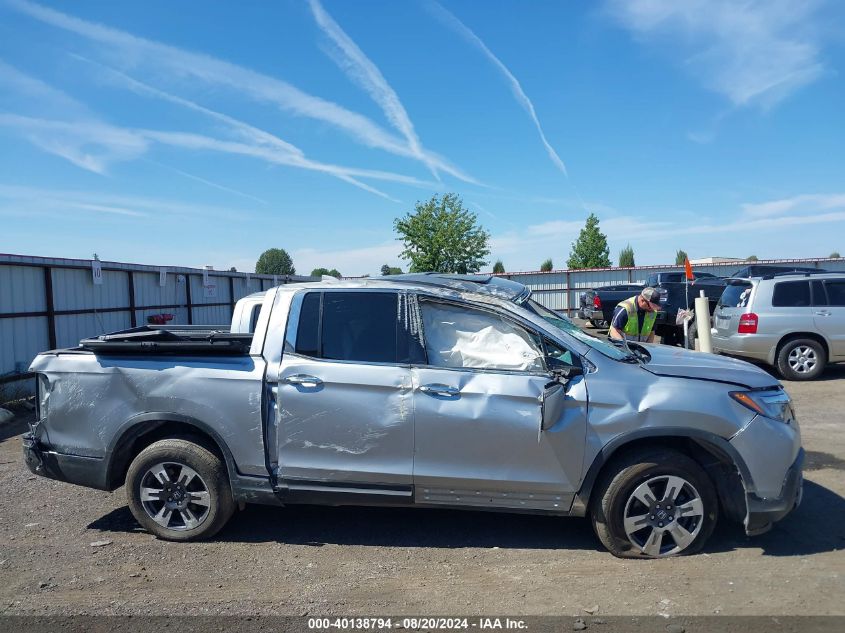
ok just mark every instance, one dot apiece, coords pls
pixel 574 331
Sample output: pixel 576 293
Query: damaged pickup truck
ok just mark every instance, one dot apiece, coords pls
pixel 425 391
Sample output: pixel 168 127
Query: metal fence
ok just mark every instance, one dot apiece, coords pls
pixel 561 289
pixel 49 303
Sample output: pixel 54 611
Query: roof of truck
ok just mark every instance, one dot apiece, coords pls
pixel 485 285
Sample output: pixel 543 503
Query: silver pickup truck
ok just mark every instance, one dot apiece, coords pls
pixel 419 390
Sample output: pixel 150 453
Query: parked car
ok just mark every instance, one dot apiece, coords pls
pixel 675 295
pixel 597 304
pixel 409 393
pixel 795 321
pixel 759 270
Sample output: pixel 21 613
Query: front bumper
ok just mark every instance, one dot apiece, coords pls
pixel 75 469
pixel 762 513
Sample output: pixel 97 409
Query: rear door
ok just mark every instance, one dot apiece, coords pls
pixel 830 318
pixel 344 393
pixel 478 403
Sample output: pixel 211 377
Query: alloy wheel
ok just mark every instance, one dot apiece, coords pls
pixel 175 496
pixel 802 359
pixel 663 515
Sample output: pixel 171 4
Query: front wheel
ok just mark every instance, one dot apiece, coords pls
pixel 179 490
pixel 654 504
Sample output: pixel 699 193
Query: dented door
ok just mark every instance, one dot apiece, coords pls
pixel 344 405
pixel 478 432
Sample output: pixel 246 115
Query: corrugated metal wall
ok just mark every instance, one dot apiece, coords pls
pixel 561 289
pixel 52 303
pixel 47 302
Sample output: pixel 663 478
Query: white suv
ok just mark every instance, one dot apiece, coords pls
pixel 794 321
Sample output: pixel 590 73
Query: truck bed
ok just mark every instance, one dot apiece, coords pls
pixel 192 340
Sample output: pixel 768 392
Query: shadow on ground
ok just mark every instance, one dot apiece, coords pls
pixel 818 525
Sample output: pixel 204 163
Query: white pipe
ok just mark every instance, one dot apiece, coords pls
pixel 702 321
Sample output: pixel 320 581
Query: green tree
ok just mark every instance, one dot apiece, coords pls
pixel 547 265
pixel 442 236
pixel 680 257
pixel 390 270
pixel 498 267
pixel 835 255
pixel 590 250
pixel 275 261
pixel 319 272
pixel 626 257
pixel 752 258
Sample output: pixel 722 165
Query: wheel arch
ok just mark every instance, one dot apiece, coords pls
pixel 142 430
pixel 815 336
pixel 722 462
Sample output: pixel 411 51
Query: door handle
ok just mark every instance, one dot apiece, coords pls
pixel 303 379
pixel 822 313
pixel 440 390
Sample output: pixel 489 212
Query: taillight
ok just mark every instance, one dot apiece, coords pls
pixel 748 324
pixel 596 302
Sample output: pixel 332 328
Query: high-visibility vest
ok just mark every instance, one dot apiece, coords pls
pixel 630 329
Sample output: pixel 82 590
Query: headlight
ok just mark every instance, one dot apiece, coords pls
pixel 775 403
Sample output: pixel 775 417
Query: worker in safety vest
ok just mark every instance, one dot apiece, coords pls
pixel 633 319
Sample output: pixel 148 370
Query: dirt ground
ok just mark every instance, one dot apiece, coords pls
pixel 306 560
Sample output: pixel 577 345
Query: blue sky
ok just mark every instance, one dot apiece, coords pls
pixel 197 133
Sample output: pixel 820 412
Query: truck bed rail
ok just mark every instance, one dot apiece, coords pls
pixel 174 340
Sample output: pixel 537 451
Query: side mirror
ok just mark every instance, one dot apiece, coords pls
pixel 554 397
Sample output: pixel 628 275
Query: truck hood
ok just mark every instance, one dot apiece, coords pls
pixel 681 363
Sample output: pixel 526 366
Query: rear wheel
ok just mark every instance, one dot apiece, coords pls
pixel 179 490
pixel 801 359
pixel 654 504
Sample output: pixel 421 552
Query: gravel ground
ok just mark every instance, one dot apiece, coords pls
pixel 71 550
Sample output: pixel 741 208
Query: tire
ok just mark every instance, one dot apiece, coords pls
pixel 194 475
pixel 622 490
pixel 801 359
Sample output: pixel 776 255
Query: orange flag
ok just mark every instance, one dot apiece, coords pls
pixel 688 268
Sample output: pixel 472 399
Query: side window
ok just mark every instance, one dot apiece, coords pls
pixel 651 280
pixel 836 292
pixel 819 295
pixel 558 355
pixel 359 326
pixel 460 337
pixel 791 294
pixel 352 326
pixel 256 310
pixel 307 332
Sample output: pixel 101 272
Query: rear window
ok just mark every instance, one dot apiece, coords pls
pixel 736 295
pixel 835 292
pixel 791 294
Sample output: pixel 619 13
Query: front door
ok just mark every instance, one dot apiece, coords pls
pixel 344 405
pixel 478 406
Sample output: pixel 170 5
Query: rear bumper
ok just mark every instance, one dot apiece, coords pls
pixel 83 471
pixel 762 513
pixel 745 345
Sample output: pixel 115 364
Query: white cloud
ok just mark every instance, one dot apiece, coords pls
pixel 809 203
pixel 38 200
pixel 519 94
pixel 350 262
pixel 361 70
pixel 89 144
pixel 752 52
pixel 179 64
